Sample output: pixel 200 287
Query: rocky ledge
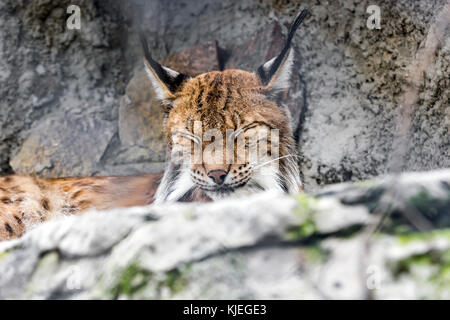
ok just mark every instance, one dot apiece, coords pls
pixel 379 239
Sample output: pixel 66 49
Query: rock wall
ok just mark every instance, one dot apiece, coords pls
pixel 348 241
pixel 365 102
pixel 57 87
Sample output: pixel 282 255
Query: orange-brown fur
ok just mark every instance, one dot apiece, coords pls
pixel 25 201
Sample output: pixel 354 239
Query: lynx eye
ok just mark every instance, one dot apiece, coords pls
pixel 187 135
pixel 262 140
pixel 254 125
pixel 247 142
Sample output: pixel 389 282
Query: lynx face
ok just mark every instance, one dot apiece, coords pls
pixel 221 130
pixel 226 136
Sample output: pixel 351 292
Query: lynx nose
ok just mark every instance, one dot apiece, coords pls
pixel 218 176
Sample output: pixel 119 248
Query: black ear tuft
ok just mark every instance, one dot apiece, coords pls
pixel 165 80
pixel 268 70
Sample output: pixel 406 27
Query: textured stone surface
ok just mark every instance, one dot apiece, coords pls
pixel 141 121
pixel 47 71
pixel 354 78
pixel 54 151
pixel 195 60
pixel 348 90
pixel 348 241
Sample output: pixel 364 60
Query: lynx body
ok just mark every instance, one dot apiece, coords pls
pixel 213 123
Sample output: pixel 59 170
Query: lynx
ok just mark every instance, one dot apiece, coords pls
pixel 236 105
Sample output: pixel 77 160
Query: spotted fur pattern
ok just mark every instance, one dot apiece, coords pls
pixel 231 100
pixel 27 201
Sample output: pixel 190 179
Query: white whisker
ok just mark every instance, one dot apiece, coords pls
pixel 270 161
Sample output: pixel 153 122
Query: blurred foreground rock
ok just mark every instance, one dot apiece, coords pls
pixel 351 241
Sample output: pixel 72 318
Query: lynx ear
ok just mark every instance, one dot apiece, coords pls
pixel 165 81
pixel 275 73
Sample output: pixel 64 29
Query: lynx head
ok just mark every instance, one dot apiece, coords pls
pixel 226 135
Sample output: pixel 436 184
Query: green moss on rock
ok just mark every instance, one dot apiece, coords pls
pixel 136 282
pixel 305 210
pixel 130 281
pixel 306 204
pixel 176 280
pixel 428 204
pixel 437 263
pixel 365 183
pixel 405 265
pixel 307 229
pixel 316 254
pixel 3 255
pixel 423 236
pixel 51 258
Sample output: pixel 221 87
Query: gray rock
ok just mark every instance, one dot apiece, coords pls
pixel 53 150
pixel 338 244
pixel 141 123
pixel 46 71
